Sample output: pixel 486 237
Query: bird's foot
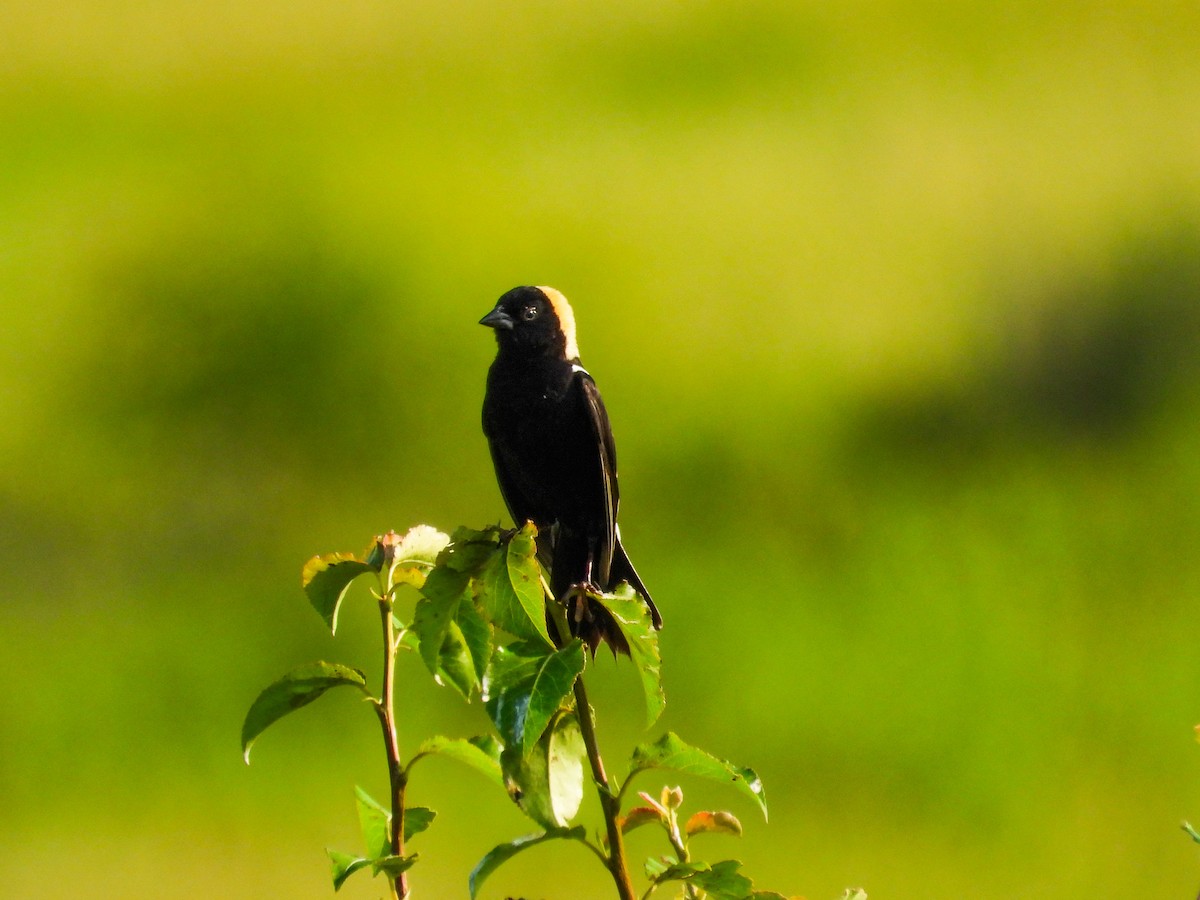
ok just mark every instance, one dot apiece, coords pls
pixel 577 600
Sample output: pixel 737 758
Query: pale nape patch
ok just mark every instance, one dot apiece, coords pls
pixel 566 319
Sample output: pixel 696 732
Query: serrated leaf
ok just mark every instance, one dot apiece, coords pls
pixel 415 554
pixel 639 816
pixel 344 865
pixel 655 867
pixel 721 881
pixel 500 854
pixel 441 595
pixel 547 783
pixel 718 822
pixel 416 820
pixel 393 865
pixel 294 690
pixel 469 550
pixel 525 686
pixel 525 575
pixel 670 752
pixel 632 617
pixel 508 590
pixel 477 635
pixel 481 754
pixel 325 580
pixel 455 664
pixel 374 823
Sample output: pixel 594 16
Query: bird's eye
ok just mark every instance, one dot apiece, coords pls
pixel 529 313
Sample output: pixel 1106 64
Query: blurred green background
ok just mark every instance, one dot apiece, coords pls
pixel 896 308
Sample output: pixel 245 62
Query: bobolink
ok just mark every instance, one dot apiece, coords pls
pixel 555 460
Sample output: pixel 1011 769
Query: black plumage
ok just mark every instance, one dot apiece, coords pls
pixel 553 450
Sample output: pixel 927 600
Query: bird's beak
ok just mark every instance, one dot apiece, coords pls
pixel 498 319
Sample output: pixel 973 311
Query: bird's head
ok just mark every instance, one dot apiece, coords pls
pixel 534 321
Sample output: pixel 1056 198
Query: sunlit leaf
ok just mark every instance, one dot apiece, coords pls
pixel 326 578
pixel 566 753
pixel 374 822
pixel 639 816
pixel 344 865
pixel 298 688
pixel 469 550
pixel 525 686
pixel 416 820
pixel 526 577
pixel 455 664
pixel 498 855
pixel 508 590
pixel 415 553
pixel 393 865
pixel 477 635
pixel 632 617
pixel 720 881
pixel 481 754
pixel 547 783
pixel 669 752
pixel 441 595
pixel 720 822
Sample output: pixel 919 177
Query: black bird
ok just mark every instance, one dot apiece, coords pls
pixel 555 460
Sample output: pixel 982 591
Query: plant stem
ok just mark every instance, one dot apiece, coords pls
pixel 610 805
pixel 397 776
pixel 610 800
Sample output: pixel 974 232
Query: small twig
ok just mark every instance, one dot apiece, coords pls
pixel 610 803
pixel 397 776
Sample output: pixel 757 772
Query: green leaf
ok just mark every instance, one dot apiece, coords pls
pixel 500 854
pixel 477 635
pixel 374 822
pixel 455 664
pixel 713 822
pixel 526 577
pixel 326 578
pixel 298 688
pixel 415 554
pixel 344 865
pixel 416 820
pixel 393 865
pixel 566 753
pixel 525 686
pixel 469 551
pixel 441 595
pixel 669 752
pixel 721 881
pixel 547 784
pixel 509 589
pixel 481 754
pixel 632 616
pixel 444 647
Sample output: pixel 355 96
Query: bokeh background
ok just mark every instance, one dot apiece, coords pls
pixel 896 308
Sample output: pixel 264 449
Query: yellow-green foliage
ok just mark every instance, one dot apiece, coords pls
pixel 894 305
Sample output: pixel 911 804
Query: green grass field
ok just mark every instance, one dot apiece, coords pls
pixel 896 309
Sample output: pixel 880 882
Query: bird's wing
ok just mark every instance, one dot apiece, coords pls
pixel 519 507
pixel 597 417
